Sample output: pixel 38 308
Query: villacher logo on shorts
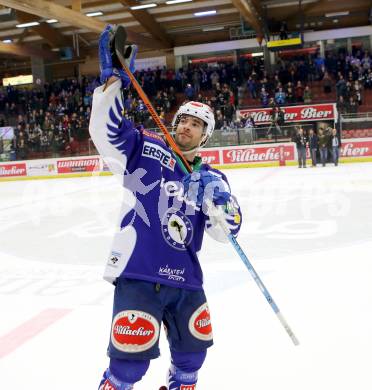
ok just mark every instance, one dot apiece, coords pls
pixel 200 323
pixel 156 152
pixel 134 331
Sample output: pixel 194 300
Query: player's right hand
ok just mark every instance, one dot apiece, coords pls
pixel 105 58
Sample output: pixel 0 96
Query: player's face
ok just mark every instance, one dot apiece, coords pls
pixel 189 132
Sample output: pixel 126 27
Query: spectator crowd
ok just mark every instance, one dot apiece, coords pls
pixel 55 118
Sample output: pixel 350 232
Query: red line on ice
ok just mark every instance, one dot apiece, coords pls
pixel 29 329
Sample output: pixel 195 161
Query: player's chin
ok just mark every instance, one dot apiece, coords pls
pixel 182 143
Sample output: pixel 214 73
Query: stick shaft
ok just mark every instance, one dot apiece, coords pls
pixel 262 287
pixel 156 117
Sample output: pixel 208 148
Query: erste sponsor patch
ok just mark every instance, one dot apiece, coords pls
pixel 156 152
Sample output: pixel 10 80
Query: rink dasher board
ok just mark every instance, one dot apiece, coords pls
pixel 242 156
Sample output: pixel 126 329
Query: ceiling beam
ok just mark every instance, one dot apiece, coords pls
pixel 26 51
pixel 251 15
pixel 53 37
pixel 149 23
pixel 46 9
pixel 76 5
pixel 305 9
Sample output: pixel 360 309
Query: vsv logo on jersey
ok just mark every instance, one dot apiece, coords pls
pixel 188 387
pixel 156 152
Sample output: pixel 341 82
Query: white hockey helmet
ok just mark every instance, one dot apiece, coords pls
pixel 201 111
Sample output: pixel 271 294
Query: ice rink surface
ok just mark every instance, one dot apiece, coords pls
pixel 307 232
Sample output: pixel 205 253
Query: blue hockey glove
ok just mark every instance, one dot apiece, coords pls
pixel 105 58
pixel 203 186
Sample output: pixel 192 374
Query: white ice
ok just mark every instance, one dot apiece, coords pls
pixel 307 232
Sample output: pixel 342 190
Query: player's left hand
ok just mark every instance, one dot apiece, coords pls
pixel 105 58
pixel 203 186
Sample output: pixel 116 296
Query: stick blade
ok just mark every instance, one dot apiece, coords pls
pixel 118 46
pixel 123 52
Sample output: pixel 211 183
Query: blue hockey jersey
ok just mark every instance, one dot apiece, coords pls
pixel 160 231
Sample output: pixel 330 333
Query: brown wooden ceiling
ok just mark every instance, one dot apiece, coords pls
pixel 166 26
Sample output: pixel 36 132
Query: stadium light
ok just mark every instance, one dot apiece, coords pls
pixel 216 28
pixel 333 14
pixel 143 6
pixel 95 13
pixel 205 13
pixel 29 24
pixel 169 2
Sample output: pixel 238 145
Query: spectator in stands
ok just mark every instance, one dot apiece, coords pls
pixel 264 97
pixel 307 95
pixel 280 97
pixel 290 94
pixel 352 107
pixel 44 143
pixel 349 90
pixel 225 127
pixel 219 119
pixel 357 92
pixel 274 128
pixel 341 105
pixel 368 79
pixel 189 92
pixel 301 141
pixel 323 140
pixel 299 92
pixel 251 86
pixel 366 62
pixel 281 120
pixel 327 83
pixel 249 122
pixel 319 65
pixel 336 144
pixel 196 81
pixel 21 147
pixel 341 86
pixel 204 80
pixel 313 146
pixel 214 77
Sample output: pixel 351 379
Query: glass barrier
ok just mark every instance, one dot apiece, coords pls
pixel 220 138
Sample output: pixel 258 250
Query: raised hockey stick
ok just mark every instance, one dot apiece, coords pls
pixel 122 55
pixel 119 47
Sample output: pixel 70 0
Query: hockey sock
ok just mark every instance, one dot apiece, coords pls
pixel 181 380
pixel 110 382
pixel 122 374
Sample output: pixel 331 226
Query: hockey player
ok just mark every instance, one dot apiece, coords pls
pixel 154 258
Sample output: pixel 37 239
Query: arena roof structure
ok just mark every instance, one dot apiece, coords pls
pixel 39 27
